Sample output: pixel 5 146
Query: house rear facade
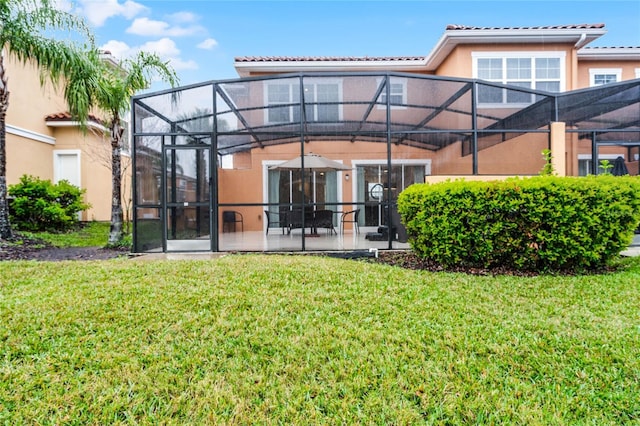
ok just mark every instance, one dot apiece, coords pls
pixel 483 104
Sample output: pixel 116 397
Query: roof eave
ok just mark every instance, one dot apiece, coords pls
pixel 245 69
pixel 610 53
pixel 452 38
pixel 70 123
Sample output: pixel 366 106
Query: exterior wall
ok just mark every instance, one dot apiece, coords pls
pixel 29 102
pixel 246 185
pixel 38 161
pixel 521 155
pixel 459 63
pixel 95 169
pixel 33 152
pixel 628 69
pixel 26 154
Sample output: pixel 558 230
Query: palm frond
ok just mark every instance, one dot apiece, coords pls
pixel 43 16
pixel 25 34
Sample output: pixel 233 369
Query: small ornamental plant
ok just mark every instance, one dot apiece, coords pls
pixel 39 205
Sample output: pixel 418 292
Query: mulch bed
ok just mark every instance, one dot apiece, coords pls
pixel 22 248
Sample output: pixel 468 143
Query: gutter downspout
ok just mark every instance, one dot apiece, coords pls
pixel 574 61
pixel 581 41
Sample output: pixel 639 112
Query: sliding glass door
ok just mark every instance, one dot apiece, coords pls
pixel 286 187
pixel 373 184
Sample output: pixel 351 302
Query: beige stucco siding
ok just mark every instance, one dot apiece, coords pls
pixel 29 102
pixel 460 62
pixel 32 145
pixel 26 156
pixel 627 69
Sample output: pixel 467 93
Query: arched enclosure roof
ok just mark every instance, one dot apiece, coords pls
pixel 420 126
pixel 612 110
pixel 428 112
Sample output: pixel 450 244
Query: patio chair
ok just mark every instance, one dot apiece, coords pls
pixel 274 218
pixel 324 219
pixel 350 217
pixel 294 219
pixel 230 218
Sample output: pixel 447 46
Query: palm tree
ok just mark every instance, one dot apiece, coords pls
pixel 27 29
pixel 108 87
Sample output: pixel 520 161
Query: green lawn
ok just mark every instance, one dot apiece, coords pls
pixel 90 234
pixel 272 339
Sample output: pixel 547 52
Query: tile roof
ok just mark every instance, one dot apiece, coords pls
pixel 66 116
pixel 452 27
pixel 328 58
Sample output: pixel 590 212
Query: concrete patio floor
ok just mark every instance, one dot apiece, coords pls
pixel 276 242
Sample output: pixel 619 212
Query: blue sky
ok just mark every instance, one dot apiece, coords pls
pixel 202 38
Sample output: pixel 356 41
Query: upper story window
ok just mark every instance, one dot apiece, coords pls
pixel 397 93
pixel 531 70
pixel 322 101
pixel 600 76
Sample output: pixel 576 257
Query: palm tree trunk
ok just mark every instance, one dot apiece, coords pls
pixel 115 232
pixel 5 225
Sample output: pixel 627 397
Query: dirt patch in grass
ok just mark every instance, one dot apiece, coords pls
pixel 409 260
pixel 23 248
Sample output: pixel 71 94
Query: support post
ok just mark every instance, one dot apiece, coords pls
pixel 559 148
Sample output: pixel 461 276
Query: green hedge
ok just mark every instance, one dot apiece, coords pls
pixel 540 223
pixel 39 205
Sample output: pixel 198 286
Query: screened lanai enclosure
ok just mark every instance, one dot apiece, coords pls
pixel 315 161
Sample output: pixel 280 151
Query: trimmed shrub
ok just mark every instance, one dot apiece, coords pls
pixel 39 205
pixel 541 223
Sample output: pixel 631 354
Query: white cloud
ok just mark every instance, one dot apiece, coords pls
pixel 98 11
pixel 147 27
pixel 63 5
pixel 178 64
pixel 152 28
pixel 118 49
pixel 165 48
pixel 182 17
pixel 208 44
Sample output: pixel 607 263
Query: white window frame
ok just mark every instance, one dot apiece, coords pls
pixel 393 80
pixel 306 81
pixel 610 157
pixel 267 164
pixel 57 167
pixel 593 72
pixel 637 72
pixel 395 162
pixel 533 55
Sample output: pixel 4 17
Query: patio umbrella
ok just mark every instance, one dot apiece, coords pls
pixel 619 167
pixel 313 162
